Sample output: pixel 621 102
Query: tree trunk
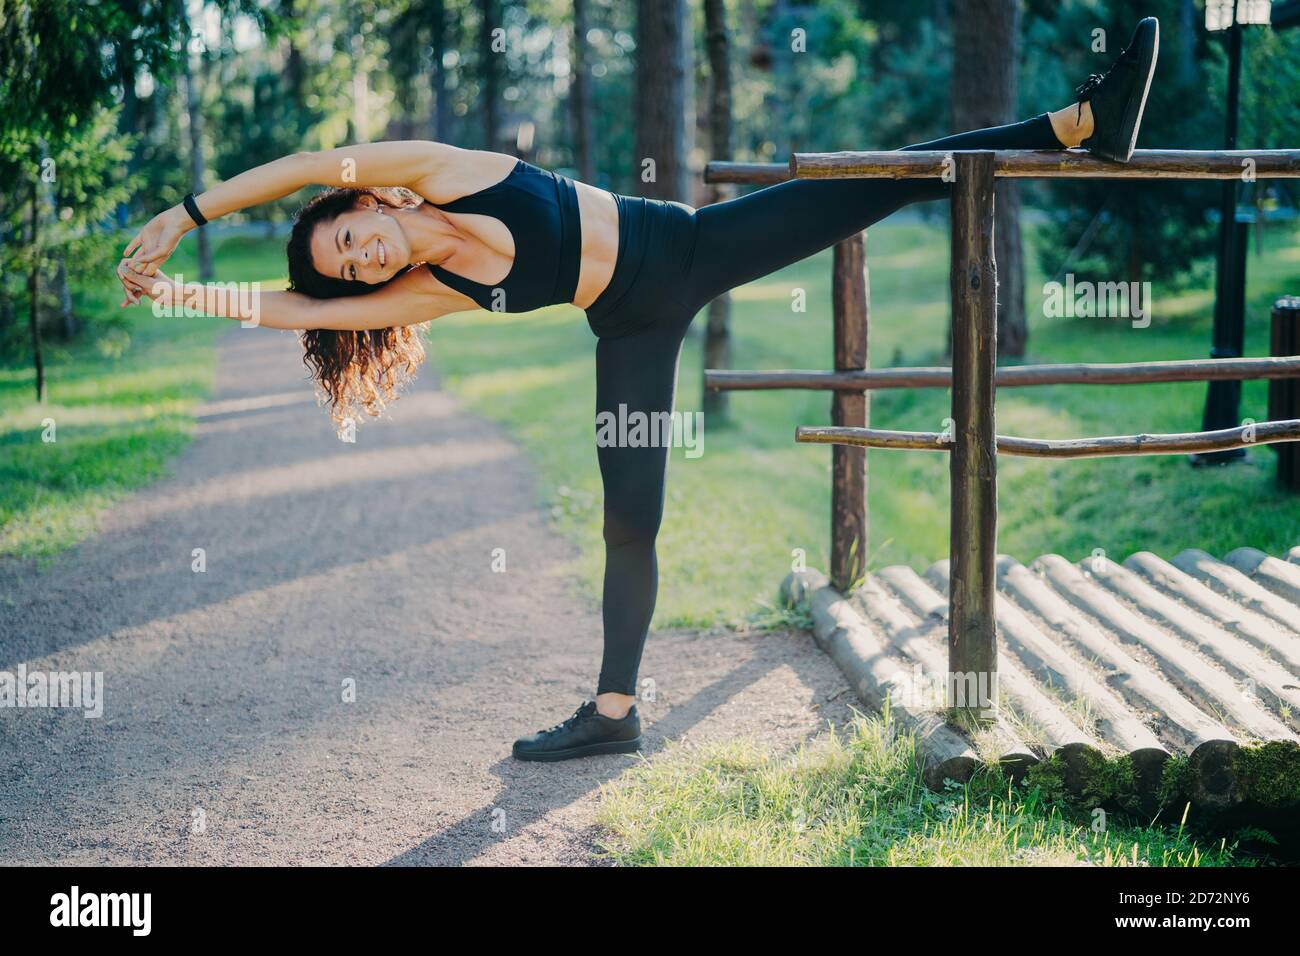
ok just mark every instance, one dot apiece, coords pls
pixel 33 294
pixel 1188 17
pixel 582 96
pixel 441 98
pixel 490 70
pixel 786 83
pixel 67 317
pixel 1135 258
pixel 717 335
pixel 295 66
pixel 128 119
pixel 986 58
pixel 192 75
pixel 6 315
pixel 360 89
pixel 661 100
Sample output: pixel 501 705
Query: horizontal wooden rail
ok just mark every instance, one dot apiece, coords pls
pixel 1011 376
pixel 1055 164
pixel 746 174
pixel 1244 436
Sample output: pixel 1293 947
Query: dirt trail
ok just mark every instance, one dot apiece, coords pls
pixel 328 562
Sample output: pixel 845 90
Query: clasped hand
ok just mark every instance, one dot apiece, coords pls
pixel 144 255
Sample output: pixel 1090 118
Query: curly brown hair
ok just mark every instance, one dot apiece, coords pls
pixel 355 371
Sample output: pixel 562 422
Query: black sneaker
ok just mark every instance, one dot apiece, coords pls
pixel 1120 95
pixel 584 734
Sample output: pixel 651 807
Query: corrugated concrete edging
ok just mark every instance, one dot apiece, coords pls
pixel 876 673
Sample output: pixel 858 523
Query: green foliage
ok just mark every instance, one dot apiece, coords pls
pixel 909 93
pixel 62 57
pixel 1270 91
pixel 1176 780
pixel 68 155
pixel 73 177
pixel 1141 230
pixel 1272 774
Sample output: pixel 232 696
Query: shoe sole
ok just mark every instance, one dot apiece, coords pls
pixel 588 750
pixel 1135 108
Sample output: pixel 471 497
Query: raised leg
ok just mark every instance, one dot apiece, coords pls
pixel 754 235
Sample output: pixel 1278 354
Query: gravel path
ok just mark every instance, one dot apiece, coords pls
pixel 225 737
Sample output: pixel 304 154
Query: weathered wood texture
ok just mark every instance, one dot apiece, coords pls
pixel 746 174
pixel 1240 660
pixel 1054 164
pixel 1238 588
pixel 851 310
pixel 1258 630
pixel 1283 367
pixel 972 650
pixel 1243 436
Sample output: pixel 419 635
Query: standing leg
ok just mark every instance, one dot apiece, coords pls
pixel 635 375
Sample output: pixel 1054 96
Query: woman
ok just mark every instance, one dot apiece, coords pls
pixel 479 229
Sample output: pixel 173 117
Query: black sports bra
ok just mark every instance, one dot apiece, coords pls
pixel 541 211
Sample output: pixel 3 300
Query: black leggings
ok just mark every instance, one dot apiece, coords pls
pixel 672 261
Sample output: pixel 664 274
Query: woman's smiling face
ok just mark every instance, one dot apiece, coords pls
pixel 364 244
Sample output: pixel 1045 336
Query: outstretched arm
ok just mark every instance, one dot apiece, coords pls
pixel 410 163
pixel 409 300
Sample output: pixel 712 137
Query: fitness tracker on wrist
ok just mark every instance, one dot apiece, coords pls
pixel 192 208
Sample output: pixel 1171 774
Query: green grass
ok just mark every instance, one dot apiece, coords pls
pixel 121 398
pixel 859 800
pixel 735 515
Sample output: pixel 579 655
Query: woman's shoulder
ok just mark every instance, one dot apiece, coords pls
pixel 463 172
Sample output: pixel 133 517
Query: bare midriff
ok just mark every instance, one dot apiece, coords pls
pixel 599 215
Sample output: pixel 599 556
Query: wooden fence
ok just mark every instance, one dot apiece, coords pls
pixel 973 443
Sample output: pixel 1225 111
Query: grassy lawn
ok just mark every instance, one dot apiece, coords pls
pixel 859 800
pixel 120 398
pixel 735 514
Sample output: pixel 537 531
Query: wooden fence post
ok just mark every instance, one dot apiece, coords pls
pixel 1284 393
pixel 972 638
pixel 851 300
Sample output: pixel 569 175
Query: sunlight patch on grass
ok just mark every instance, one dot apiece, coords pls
pixel 488 385
pixel 121 399
pixel 857 799
pixel 764 291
